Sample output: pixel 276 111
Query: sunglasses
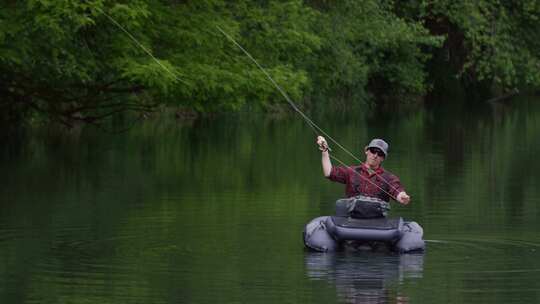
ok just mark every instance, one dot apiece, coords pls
pixel 376 151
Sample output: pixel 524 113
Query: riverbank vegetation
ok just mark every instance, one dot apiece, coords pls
pixel 73 62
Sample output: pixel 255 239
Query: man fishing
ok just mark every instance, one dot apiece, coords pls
pixel 368 178
pixel 360 221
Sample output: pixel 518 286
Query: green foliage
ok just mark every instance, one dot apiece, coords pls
pixel 82 61
pixel 368 49
pixel 58 62
pixel 500 39
pixel 221 77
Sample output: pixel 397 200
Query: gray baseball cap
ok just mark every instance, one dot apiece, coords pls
pixel 379 144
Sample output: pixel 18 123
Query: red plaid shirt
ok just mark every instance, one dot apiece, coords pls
pixel 359 180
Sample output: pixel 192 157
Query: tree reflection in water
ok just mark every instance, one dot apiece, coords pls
pixel 365 277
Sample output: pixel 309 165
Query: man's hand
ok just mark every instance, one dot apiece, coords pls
pixel 403 198
pixel 325 156
pixel 323 145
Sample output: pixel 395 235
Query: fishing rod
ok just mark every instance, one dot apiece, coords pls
pixel 310 122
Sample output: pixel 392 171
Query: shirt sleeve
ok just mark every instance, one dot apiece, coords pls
pixel 339 174
pixel 395 185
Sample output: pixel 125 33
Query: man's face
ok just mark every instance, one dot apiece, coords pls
pixel 374 157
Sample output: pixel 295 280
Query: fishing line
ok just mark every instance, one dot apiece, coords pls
pixel 310 122
pixel 141 46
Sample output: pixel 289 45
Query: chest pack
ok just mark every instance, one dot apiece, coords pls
pixel 362 207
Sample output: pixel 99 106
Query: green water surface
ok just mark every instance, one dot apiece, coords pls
pixel 212 212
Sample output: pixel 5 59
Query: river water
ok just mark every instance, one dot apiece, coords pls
pixel 213 211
